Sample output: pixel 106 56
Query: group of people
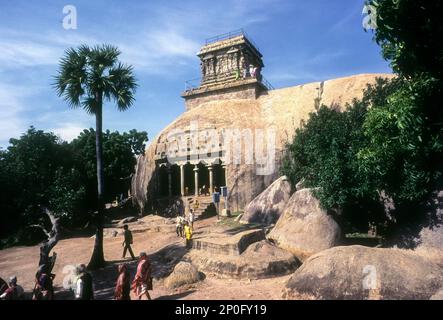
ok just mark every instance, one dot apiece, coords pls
pixel 141 284
pixel 184 225
pixel 82 282
pixel 248 71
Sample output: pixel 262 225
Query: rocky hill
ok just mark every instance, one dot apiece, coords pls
pixel 281 109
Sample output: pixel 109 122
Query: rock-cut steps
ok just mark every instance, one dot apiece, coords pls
pixel 205 208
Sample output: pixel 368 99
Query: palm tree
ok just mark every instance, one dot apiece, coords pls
pixel 87 77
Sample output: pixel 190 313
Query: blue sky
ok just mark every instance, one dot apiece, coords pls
pixel 301 41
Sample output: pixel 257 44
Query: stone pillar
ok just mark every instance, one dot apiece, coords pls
pixel 196 180
pixel 226 174
pixel 211 179
pixel 182 180
pixel 169 181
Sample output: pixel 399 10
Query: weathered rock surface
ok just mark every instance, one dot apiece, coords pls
pixel 431 235
pixel 358 272
pixel 305 228
pixel 183 273
pixel 268 206
pixel 126 221
pixel 438 295
pixel 282 109
pixel 259 260
pixel 222 243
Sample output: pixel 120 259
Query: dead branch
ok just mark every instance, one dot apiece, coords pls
pixel 53 237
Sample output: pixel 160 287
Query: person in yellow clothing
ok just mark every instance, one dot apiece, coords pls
pixel 188 235
pixel 196 205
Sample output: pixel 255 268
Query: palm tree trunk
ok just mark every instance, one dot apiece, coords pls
pixel 97 258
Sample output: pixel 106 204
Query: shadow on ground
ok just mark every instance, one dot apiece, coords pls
pixel 241 228
pixel 176 296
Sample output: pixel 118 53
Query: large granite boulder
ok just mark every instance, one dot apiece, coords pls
pixel 305 228
pixel 358 272
pixel 183 273
pixel 267 207
pixel 260 260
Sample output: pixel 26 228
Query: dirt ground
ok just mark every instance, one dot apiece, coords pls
pixel 22 262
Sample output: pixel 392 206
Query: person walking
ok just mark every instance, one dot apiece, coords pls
pixel 191 219
pixel 84 286
pixel 143 279
pixel 188 235
pixel 127 242
pixel 123 285
pixel 196 205
pixel 179 226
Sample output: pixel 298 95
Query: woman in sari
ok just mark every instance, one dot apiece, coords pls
pixel 143 280
pixel 123 286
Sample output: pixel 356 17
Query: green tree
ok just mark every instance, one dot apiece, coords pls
pixel 409 33
pixel 405 132
pixel 87 77
pixel 325 154
pixel 28 168
pixel 119 158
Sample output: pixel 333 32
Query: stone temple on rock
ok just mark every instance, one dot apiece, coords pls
pixel 233 129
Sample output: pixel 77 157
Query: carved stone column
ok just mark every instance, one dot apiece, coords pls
pixel 182 180
pixel 226 174
pixel 169 181
pixel 211 179
pixel 196 180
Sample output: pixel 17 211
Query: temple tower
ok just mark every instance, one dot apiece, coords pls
pixel 231 66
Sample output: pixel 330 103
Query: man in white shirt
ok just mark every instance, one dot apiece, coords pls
pixel 179 225
pixel 191 218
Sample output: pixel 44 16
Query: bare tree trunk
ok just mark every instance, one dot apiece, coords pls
pixel 97 258
pixel 53 238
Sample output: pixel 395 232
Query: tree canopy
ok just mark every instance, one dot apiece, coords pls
pixel 389 145
pixel 40 169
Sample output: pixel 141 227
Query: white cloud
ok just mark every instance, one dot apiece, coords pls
pixel 164 45
pixel 169 38
pixel 68 131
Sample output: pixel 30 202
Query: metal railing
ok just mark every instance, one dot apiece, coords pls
pixel 230 35
pixel 192 84
pixel 267 84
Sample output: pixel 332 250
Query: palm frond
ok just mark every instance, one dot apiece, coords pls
pixel 89 104
pixel 123 86
pixel 86 72
pixel 71 77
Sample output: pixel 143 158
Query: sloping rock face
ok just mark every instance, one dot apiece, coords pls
pixel 305 228
pixel 267 207
pixel 259 260
pixel 358 272
pixel 282 110
pixel 183 273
